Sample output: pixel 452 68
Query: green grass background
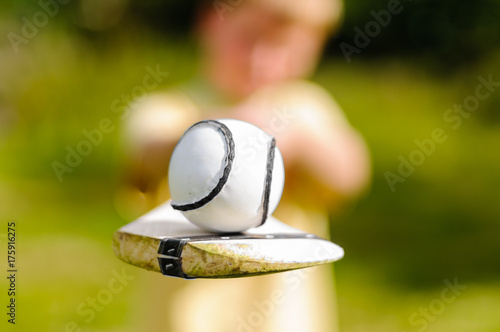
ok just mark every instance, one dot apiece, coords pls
pixel 442 223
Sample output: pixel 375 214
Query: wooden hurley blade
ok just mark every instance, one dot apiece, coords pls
pixel 165 241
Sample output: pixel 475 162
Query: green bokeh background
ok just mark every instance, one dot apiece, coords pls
pixel 442 223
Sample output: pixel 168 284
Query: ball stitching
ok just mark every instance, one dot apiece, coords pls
pixel 268 180
pixel 229 158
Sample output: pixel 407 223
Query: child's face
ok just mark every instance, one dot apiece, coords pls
pixel 253 47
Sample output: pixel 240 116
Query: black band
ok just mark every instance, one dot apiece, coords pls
pixel 229 158
pixel 268 181
pixel 169 257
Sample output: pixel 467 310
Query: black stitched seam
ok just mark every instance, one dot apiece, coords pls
pixel 268 181
pixel 229 141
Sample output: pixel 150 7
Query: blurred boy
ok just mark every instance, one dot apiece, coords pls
pixel 255 53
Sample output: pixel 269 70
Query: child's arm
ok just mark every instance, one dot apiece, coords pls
pixel 312 134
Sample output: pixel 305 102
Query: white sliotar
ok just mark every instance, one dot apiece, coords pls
pixel 226 175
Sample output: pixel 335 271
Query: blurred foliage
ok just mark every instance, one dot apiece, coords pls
pixel 447 33
pixel 441 223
